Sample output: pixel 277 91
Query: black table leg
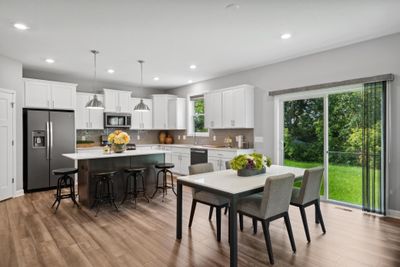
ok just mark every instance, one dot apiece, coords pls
pixel 179 211
pixel 233 231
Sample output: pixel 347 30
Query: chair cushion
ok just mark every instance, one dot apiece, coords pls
pixel 65 171
pixel 295 196
pixel 251 205
pixel 210 198
pixel 165 165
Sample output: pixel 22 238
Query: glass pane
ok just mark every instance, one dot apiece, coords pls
pixel 199 106
pixel 304 133
pixel 345 146
pixel 199 124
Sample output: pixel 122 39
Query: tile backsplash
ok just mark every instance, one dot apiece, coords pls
pixel 180 137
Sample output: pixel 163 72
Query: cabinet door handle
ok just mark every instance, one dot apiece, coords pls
pixel 53 103
pixel 48 103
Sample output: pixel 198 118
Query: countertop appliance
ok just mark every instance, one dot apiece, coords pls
pixel 198 155
pixel 117 120
pixel 47 135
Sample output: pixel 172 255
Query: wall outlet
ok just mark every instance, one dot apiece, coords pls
pixel 184 137
pixel 138 137
pixel 83 138
pixel 179 137
pixel 214 138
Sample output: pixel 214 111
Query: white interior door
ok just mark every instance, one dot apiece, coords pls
pixel 6 143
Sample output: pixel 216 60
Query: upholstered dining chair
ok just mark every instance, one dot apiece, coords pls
pixel 268 206
pixel 212 200
pixel 307 195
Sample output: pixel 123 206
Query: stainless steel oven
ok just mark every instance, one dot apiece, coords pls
pixel 117 120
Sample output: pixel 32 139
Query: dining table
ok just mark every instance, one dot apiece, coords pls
pixel 228 184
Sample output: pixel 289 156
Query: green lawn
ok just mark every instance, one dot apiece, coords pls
pixel 345 182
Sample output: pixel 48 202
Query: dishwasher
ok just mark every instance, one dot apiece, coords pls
pixel 198 155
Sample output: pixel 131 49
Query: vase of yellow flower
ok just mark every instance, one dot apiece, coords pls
pixel 118 140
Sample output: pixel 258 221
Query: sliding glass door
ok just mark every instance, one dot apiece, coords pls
pixel 344 147
pixel 304 133
pixel 343 131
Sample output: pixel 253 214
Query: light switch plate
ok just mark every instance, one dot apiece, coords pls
pixel 214 138
pixel 184 137
pixel 258 139
pixel 138 137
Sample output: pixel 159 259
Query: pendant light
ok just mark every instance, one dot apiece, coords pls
pixel 141 107
pixel 94 103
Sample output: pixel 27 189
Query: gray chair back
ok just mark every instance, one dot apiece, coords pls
pixel 276 195
pixel 201 168
pixel 311 185
pixel 228 165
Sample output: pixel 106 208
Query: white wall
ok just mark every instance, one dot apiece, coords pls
pixel 378 56
pixel 11 78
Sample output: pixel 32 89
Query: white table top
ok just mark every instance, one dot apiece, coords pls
pixel 101 155
pixel 228 180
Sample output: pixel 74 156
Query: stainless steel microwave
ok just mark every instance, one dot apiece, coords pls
pixel 117 120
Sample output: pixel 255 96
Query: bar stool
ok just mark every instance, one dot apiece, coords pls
pixel 65 180
pixel 131 183
pixel 164 169
pixel 104 190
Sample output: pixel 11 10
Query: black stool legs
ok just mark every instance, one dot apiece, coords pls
pixel 165 186
pixel 131 187
pixel 62 182
pixel 104 191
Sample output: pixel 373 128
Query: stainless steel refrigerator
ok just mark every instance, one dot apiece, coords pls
pixel 47 135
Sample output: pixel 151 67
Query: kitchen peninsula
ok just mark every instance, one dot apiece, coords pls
pixel 96 161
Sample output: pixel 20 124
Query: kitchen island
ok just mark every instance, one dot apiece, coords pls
pixel 89 162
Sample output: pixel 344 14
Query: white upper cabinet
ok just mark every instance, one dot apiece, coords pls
pixel 160 111
pixel 117 101
pixel 49 94
pixel 230 107
pixel 88 118
pixel 213 110
pixel 142 120
pixel 177 114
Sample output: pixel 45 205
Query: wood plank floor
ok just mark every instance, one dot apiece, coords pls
pixel 32 235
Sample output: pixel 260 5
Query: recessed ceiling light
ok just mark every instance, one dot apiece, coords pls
pixel 21 26
pixel 156 78
pixel 50 60
pixel 232 6
pixel 286 36
pixel 192 67
pixel 190 81
pixel 111 71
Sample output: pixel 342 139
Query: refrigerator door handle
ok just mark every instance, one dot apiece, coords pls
pixel 51 138
pixel 47 140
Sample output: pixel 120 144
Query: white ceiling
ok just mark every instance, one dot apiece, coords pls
pixel 172 34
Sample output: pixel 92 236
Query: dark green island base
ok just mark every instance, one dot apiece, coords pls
pixel 87 183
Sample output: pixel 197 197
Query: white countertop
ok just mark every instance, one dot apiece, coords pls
pixel 228 180
pixel 233 149
pixel 100 155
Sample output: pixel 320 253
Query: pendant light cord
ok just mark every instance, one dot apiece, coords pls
pixel 95 52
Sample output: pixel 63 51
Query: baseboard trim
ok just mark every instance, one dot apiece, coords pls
pixel 19 193
pixel 394 214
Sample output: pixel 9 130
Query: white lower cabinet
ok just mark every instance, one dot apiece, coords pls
pixel 219 157
pixel 180 157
